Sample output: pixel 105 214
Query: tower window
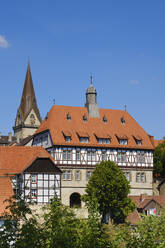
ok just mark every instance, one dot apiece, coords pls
pixel 32 119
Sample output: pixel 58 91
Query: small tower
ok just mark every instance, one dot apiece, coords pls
pixel 28 116
pixel 91 101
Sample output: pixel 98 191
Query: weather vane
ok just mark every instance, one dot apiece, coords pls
pixel 125 107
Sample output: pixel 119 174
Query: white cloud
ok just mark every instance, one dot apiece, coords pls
pixel 3 42
pixel 134 82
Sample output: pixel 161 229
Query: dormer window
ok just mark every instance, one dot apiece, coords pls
pixel 67 139
pixel 84 118
pixel 68 116
pixel 83 137
pixel 138 140
pixel 104 119
pixel 122 139
pixel 67 136
pixel 123 120
pixel 103 138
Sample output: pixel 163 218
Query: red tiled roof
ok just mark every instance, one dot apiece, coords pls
pixel 133 217
pixel 17 158
pixel 157 142
pixel 142 200
pixel 57 122
pixel 6 192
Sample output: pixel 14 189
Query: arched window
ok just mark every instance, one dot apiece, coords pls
pixel 75 200
pixel 32 119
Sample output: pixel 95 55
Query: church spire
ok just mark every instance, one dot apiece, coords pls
pixel 28 100
pixel 28 114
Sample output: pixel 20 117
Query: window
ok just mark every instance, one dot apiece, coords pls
pixel 33 193
pixel 33 178
pixel 140 157
pixel 77 155
pixel 67 138
pixel 32 119
pixel 143 179
pixel 123 120
pixel 123 141
pixel 121 157
pixel 91 155
pixel 84 118
pixel 140 177
pixel 66 175
pixel 68 117
pixel 89 173
pixel 139 142
pixel 127 175
pixel 103 156
pixel 67 154
pixel 103 141
pixel 77 175
pixel 84 139
pixel 138 180
pixel 104 119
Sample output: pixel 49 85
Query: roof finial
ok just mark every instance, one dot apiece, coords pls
pixel 54 101
pixel 91 80
pixel 125 107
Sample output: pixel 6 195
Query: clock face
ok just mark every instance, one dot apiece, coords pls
pixel 32 119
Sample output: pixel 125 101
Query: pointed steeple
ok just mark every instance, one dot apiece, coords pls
pixel 28 100
pixel 28 116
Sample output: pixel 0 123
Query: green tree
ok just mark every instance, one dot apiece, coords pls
pixel 159 159
pixel 149 233
pixel 21 228
pixel 109 188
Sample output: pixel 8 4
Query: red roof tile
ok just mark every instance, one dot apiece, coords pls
pixel 57 122
pixel 17 158
pixel 6 192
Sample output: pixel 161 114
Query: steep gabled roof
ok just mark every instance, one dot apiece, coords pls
pixel 28 100
pixel 16 159
pixel 56 121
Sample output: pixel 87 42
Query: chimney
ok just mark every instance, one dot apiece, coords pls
pixel 10 137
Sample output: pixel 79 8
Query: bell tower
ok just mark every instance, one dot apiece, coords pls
pixel 28 116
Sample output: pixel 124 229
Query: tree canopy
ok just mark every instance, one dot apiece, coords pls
pixel 109 188
pixel 159 159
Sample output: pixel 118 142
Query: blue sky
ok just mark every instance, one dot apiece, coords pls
pixel 121 43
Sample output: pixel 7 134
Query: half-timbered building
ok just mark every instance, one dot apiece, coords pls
pixel 28 173
pixel 80 137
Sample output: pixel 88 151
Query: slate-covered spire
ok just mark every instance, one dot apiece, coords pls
pixel 28 100
pixel 28 116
